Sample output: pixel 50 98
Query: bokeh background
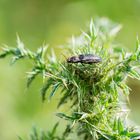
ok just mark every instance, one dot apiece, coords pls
pixel 53 22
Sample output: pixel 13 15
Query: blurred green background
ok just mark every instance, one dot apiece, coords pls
pixel 52 22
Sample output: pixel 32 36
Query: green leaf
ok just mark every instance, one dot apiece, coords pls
pixel 120 126
pixel 137 45
pixel 93 31
pixel 4 54
pixel 86 36
pixel 134 74
pixel 54 129
pixel 64 116
pixel 55 87
pixel 45 87
pixel 32 75
pixel 63 99
pixel 134 135
pixel 115 30
pixel 34 135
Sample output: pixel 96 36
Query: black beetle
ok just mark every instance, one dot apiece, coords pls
pixel 84 58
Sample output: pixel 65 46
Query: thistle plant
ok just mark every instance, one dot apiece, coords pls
pixel 97 94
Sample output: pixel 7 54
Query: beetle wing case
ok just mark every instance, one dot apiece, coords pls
pixel 84 58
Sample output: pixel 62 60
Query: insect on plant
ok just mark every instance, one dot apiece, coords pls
pixel 84 58
pixel 93 93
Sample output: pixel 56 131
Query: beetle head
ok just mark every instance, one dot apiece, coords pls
pixel 73 59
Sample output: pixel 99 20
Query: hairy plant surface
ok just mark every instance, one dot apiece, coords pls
pixel 97 92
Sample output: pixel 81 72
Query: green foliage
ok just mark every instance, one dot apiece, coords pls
pixel 48 135
pixel 95 92
pixel 20 52
pixel 44 136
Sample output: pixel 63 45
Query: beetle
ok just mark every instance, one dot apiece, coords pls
pixel 84 58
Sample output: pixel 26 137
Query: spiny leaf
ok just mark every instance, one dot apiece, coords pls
pixel 86 36
pixel 4 54
pixel 134 135
pixel 45 88
pixel 55 87
pixel 34 135
pixel 63 99
pixel 20 44
pixel 134 74
pixel 64 116
pixel 137 45
pixel 93 31
pixel 120 126
pixel 14 59
pixel 115 30
pixel 54 128
pixel 32 75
